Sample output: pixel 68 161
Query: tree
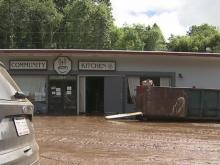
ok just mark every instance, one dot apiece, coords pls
pixel 131 39
pixel 214 44
pixel 28 23
pixel 138 37
pixel 198 39
pixel 180 44
pixel 202 30
pixel 154 39
pixel 116 36
pixel 45 23
pixel 61 4
pixel 107 2
pixel 87 25
pixel 126 38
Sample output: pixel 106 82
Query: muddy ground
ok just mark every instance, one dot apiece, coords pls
pixel 94 140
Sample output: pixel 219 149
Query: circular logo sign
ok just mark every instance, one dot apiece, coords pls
pixel 62 65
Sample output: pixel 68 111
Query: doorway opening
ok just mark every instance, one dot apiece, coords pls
pixel 95 95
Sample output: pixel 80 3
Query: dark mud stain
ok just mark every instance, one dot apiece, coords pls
pixel 94 140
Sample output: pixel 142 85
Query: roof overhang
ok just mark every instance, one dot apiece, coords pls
pixel 102 53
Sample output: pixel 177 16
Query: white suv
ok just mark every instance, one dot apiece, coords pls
pixel 17 141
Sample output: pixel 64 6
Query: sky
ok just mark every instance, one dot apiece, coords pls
pixel 173 16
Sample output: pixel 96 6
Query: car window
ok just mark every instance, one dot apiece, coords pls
pixel 8 87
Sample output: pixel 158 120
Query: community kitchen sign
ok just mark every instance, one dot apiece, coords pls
pixel 97 66
pixel 28 65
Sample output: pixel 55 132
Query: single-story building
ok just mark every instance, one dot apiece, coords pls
pixel 72 82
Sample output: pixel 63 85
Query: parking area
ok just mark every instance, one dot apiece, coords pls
pixel 80 140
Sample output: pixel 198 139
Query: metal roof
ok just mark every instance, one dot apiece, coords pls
pixel 72 52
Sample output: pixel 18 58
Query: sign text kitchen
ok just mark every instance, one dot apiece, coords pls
pixel 97 66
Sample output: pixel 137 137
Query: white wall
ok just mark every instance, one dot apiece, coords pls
pixel 196 71
pixel 202 72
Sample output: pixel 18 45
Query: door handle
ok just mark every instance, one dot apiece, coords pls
pixel 28 151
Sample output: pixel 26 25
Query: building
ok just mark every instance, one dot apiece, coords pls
pixel 70 82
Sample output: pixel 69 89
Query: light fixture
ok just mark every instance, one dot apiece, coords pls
pixel 180 75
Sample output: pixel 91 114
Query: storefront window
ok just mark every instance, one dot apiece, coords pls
pixel 34 87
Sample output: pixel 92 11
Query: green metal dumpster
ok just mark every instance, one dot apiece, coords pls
pixel 204 104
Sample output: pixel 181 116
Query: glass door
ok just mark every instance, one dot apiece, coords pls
pixel 62 95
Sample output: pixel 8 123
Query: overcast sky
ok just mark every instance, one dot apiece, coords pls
pixel 173 16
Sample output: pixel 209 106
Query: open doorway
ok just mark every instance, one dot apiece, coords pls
pixel 95 95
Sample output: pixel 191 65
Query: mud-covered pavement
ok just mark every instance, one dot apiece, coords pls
pixel 94 140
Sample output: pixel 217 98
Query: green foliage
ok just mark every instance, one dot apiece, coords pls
pixel 61 4
pixel 28 23
pixel 198 39
pixel 138 37
pixel 55 24
pixel 181 43
pixel 128 39
pixel 214 43
pixel 46 23
pixel 154 39
pixel 87 25
pixel 107 2
pixel 202 30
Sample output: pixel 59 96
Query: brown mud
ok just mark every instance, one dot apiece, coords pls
pixel 94 140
